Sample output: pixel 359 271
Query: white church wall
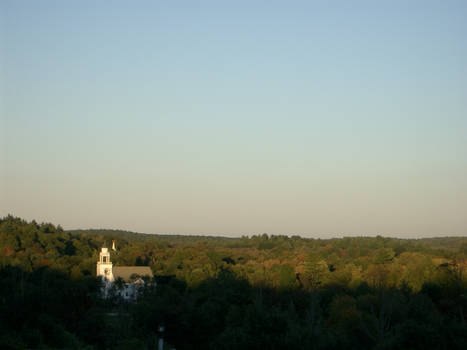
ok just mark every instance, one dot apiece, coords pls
pixel 128 291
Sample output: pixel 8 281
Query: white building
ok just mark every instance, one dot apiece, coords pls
pixel 122 280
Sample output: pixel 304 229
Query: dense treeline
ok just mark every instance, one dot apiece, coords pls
pixel 255 292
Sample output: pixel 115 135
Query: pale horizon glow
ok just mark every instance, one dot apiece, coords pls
pixel 311 118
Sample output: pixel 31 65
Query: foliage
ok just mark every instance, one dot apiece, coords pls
pixel 274 292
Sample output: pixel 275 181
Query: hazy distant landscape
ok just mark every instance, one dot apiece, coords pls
pixel 233 174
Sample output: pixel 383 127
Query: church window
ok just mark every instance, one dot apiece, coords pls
pixel 104 259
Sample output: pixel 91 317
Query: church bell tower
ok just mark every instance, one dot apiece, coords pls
pixel 104 265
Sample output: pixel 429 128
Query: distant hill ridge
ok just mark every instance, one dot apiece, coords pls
pixel 448 242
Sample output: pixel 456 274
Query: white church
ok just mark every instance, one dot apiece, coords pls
pixel 128 279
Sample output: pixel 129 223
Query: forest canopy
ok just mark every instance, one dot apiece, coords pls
pixel 229 293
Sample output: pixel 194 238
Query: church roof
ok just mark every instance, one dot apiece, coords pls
pixel 126 272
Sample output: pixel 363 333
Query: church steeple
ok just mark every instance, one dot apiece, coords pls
pixel 104 265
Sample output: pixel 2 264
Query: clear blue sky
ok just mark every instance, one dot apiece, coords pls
pixel 236 117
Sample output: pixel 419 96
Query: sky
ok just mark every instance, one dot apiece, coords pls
pixel 314 118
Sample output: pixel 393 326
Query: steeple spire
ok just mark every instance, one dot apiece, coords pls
pixel 104 265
